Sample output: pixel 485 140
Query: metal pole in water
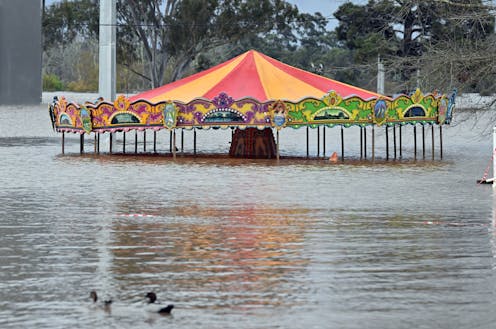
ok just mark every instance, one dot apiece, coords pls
pixel 144 140
pixel 373 143
pixel 318 141
pixel 387 143
pixel 63 142
pixel 432 138
pixel 174 146
pixel 94 144
pixel 324 142
pixel 401 143
pixel 110 143
pixel 415 141
pixel 182 140
pixel 170 141
pixel 154 141
pixel 308 146
pixel 194 141
pixel 494 158
pixel 342 143
pixel 361 143
pixel 81 143
pixel 123 142
pixel 98 144
pixel 423 141
pixel 136 142
pixel 365 142
pixel 277 146
pixel 440 142
pixel 394 140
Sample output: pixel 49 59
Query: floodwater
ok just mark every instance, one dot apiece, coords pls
pixel 244 243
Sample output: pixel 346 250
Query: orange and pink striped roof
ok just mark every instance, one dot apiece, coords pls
pixel 254 75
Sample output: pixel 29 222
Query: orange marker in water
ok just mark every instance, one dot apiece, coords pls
pixel 334 157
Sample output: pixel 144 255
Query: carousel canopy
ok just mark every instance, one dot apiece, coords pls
pixel 254 75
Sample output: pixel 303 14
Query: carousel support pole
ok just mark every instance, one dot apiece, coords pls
pixel 308 145
pixel 324 142
pixel 110 142
pixel 387 143
pixel 154 141
pixel 63 142
pixel 81 143
pixel 318 142
pixel 174 144
pixel 182 140
pixel 277 145
pixel 98 143
pixel 494 158
pixel 194 141
pixel 94 144
pixel 394 140
pixel 415 141
pixel 423 142
pixel 136 142
pixel 401 142
pixel 432 140
pixel 440 142
pixel 123 142
pixel 342 144
pixel 144 140
pixel 361 142
pixel 373 143
pixel 365 142
pixel 170 141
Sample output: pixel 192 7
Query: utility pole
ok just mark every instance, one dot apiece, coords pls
pixel 107 55
pixel 380 76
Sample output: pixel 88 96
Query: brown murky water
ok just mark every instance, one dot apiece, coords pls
pixel 243 243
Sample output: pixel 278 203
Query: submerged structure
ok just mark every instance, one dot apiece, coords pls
pixel 255 95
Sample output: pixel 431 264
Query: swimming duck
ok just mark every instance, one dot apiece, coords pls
pixel 106 303
pixel 152 299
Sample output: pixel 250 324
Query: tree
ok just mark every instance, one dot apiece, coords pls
pixel 173 33
pixel 415 34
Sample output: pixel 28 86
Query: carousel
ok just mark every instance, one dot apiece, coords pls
pixel 256 96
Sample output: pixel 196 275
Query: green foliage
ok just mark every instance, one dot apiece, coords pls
pixel 65 21
pixel 52 82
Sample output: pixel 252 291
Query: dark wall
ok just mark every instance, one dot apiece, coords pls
pixel 20 52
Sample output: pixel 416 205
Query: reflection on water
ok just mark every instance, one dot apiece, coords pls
pixel 236 243
pixel 236 255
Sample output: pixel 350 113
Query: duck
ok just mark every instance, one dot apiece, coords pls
pixel 106 303
pixel 152 299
